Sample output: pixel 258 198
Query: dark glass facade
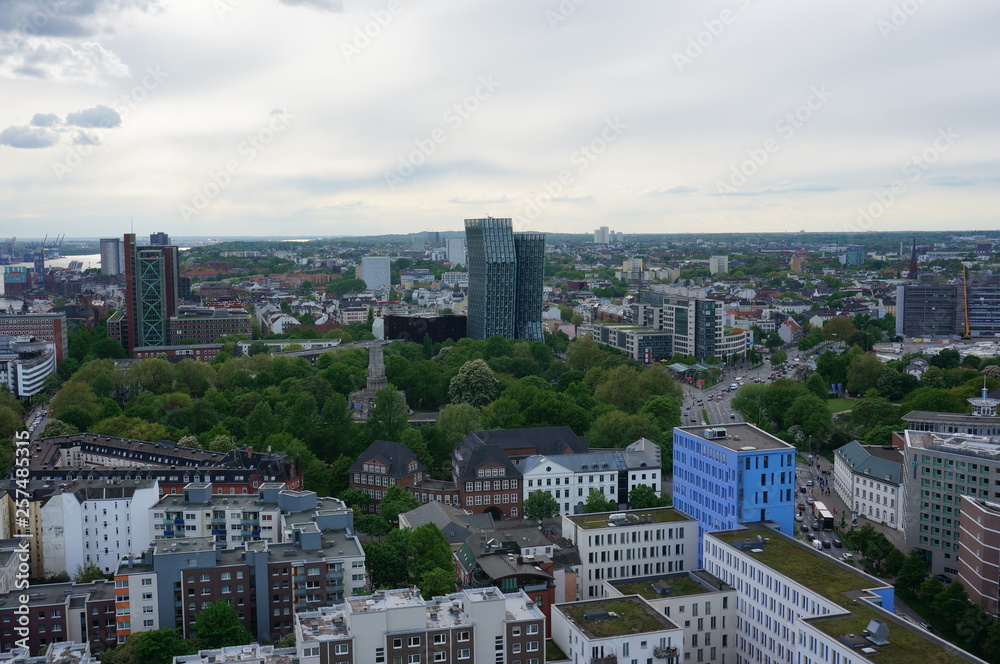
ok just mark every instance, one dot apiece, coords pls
pixel 505 280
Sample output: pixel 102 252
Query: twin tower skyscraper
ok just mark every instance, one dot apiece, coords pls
pixel 506 270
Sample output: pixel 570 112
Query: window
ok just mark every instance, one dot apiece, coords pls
pixel 515 631
pixel 532 646
pixel 464 653
pixel 515 647
pixel 341 649
pixel 397 643
pixel 413 659
pixel 413 641
pixel 440 656
pixel 533 629
pixel 440 639
pixel 463 636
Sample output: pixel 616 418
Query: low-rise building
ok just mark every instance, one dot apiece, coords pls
pixel 631 543
pixel 870 482
pixel 612 630
pixel 701 604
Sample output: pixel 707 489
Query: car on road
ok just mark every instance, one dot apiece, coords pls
pixel 810 483
pixel 802 507
pixel 826 544
pixel 847 556
pixel 809 501
pixel 732 416
pixel 798 517
pixel 837 543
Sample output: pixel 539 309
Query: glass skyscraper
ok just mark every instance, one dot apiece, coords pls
pixel 505 280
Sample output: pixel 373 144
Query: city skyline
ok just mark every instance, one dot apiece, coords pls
pixel 729 116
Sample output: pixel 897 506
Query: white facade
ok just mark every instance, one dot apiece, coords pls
pixel 376 271
pixel 456 251
pixel 142 612
pixel 871 487
pixel 112 256
pixel 565 486
pixel 718 264
pixel 632 543
pixel 25 364
pixel 91 523
pixel 626 645
pixel 707 617
pixel 602 235
pixel 243 518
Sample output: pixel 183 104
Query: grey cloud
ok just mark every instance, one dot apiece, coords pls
pixel 63 18
pixel 57 60
pixel 45 120
pixel 325 5
pixel 28 137
pixel 98 116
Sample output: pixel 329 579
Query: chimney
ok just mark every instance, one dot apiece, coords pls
pixel 249 451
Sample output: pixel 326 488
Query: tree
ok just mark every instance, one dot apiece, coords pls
pixel 947 358
pixel 430 550
pixel 540 505
pixel 582 353
pixel 396 501
pixel 74 394
pixel 474 384
pixel 504 413
pixel 779 358
pixel 58 428
pixel 387 420
pixel 596 502
pixel 355 497
pixel 219 626
pixel 912 573
pixel 88 572
pixel 618 429
pixel 437 582
pixel 455 422
pixel 863 373
pixel 644 496
pixel 158 646
pixel 839 328
pixel 373 525
pixel 388 561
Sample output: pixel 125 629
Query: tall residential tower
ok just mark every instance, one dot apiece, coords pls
pixel 151 295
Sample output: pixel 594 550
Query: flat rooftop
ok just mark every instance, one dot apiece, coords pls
pixel 632 615
pixel 668 586
pixel 949 418
pixel 844 586
pixel 652 515
pixel 739 437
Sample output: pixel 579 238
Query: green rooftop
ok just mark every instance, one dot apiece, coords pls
pixel 840 585
pixel 680 586
pixel 601 519
pixel 632 616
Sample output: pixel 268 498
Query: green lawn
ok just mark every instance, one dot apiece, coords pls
pixel 839 405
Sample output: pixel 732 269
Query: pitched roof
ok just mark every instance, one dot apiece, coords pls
pixel 477 455
pixel 395 456
pixel 456 524
pixel 543 440
pixel 863 462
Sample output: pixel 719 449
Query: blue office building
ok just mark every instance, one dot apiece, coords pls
pixel 727 476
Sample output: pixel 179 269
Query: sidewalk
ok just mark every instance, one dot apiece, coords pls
pixel 834 501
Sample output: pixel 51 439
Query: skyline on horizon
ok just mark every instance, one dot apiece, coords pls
pixel 566 116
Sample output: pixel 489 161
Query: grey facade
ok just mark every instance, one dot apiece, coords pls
pixel 376 272
pixel 505 280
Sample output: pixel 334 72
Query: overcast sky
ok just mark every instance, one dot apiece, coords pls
pixel 354 117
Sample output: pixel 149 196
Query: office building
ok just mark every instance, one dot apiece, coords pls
pixel 159 239
pixel 474 625
pixel 624 629
pixel 870 482
pixel 701 603
pixel 49 327
pixel 25 363
pixel 376 272
pixel 505 280
pixel 940 469
pixel 151 293
pixel 203 325
pixel 718 264
pixel 602 235
pixel 672 319
pixel 631 543
pixel 456 251
pixel 724 477
pixel 927 310
pixel 112 256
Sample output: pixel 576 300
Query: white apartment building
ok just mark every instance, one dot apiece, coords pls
pixel 621 629
pixel 96 521
pixel 870 481
pixel 702 605
pixel 229 519
pixel 718 264
pixel 137 586
pixel 631 543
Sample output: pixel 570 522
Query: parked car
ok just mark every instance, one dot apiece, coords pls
pixel 943 578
